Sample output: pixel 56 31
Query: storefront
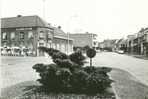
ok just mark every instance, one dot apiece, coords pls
pixel 24 33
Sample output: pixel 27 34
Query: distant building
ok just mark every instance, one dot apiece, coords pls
pixel 61 41
pixel 142 39
pixel 107 44
pixel 121 45
pixel 24 34
pixel 136 43
pixel 84 39
pixel 130 43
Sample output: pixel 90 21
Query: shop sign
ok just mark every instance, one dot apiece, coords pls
pixel 23 28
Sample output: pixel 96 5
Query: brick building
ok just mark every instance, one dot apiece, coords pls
pixel 84 39
pixel 24 34
pixel 61 41
pixel 108 44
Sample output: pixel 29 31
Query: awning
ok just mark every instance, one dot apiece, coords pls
pixel 15 47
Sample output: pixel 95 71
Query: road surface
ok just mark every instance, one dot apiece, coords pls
pixel 137 67
pixel 19 69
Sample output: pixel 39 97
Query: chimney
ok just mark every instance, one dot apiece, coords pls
pixel 19 15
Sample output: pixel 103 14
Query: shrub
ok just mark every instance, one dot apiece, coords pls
pixel 89 69
pixel 77 58
pixel 67 74
pixel 98 80
pixel 78 81
pixel 59 55
pixel 97 83
pixel 39 68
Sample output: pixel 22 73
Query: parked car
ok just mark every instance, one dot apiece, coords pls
pixel 120 51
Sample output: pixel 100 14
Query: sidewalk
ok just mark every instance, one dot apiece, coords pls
pixel 141 57
pixel 126 86
pixel 138 56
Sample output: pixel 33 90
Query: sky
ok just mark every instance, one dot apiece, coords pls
pixel 109 19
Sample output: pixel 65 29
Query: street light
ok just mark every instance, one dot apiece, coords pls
pixel 68 43
pixel 68 26
pixel 44 8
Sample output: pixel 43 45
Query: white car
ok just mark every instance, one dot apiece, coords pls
pixel 120 51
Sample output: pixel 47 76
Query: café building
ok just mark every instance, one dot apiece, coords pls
pixel 22 35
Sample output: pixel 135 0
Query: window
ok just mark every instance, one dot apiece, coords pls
pixel 4 36
pixel 22 44
pixel 12 36
pixel 22 35
pixel 94 43
pixel 41 35
pixel 49 35
pixel 30 34
pixel 41 44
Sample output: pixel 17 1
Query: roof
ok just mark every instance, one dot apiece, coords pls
pixel 59 33
pixel 121 41
pixel 23 21
pixel 82 34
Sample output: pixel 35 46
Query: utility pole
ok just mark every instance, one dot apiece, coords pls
pixel 43 9
pixel 68 27
pixel 68 43
pixel 92 40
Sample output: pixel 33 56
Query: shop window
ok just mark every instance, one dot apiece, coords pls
pixel 4 36
pixel 30 34
pixel 12 36
pixel 22 44
pixel 49 35
pixel 4 44
pixel 22 35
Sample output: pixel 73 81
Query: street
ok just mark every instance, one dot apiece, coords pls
pixel 137 67
pixel 19 69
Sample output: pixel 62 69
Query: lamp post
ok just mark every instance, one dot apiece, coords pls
pixel 67 42
pixel 68 26
pixel 43 9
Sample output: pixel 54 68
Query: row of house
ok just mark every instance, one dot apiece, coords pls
pixel 133 44
pixel 22 35
pixel 136 43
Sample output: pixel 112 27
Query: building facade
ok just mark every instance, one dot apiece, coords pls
pixel 137 43
pixel 22 35
pixel 62 41
pixel 84 39
pixel 143 41
pixel 107 44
